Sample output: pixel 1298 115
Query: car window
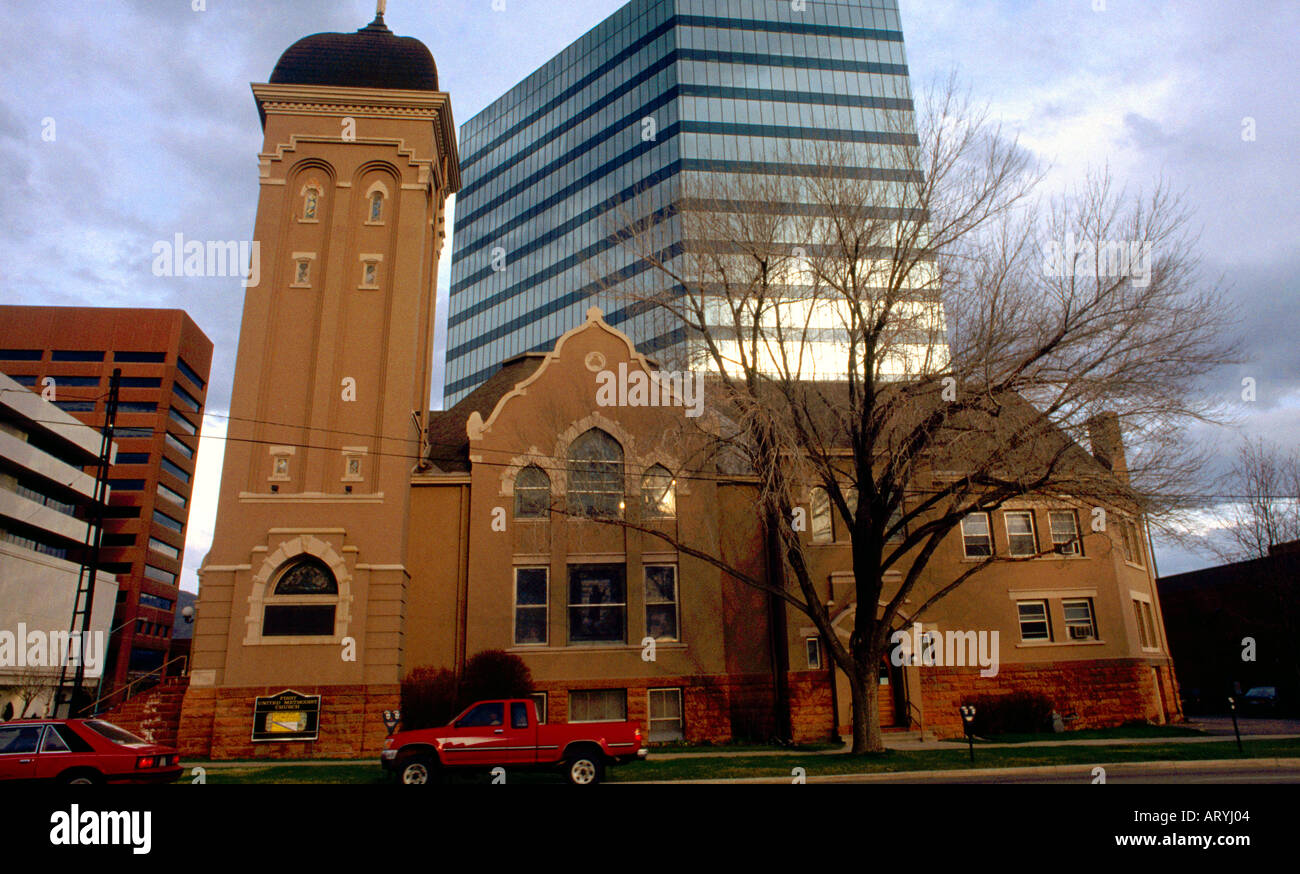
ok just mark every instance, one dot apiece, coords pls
pixel 19 739
pixel 53 743
pixel 493 713
pixel 1262 692
pixel 113 732
pixel 73 741
pixel 518 715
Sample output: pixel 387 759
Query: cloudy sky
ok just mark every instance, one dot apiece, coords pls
pixel 125 122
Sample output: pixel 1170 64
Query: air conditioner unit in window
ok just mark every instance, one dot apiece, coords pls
pixel 1080 632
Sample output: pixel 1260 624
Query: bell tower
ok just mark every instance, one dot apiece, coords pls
pixel 306 582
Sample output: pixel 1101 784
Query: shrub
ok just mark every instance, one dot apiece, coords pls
pixel 1017 713
pixel 495 673
pixel 428 698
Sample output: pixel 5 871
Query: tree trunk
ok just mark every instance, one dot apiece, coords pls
pixel 866 712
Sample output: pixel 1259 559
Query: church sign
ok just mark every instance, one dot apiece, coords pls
pixel 286 717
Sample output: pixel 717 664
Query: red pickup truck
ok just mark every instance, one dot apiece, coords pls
pixel 506 734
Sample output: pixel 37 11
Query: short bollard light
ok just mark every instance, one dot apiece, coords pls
pixel 1232 706
pixel 968 721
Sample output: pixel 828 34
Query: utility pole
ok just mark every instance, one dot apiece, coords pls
pixel 70 694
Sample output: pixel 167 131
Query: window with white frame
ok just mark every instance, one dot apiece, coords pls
pixel 1128 532
pixel 1034 621
pixel 1065 532
pixel 820 508
pixel 1021 540
pixel 813 647
pixel 1143 636
pixel 598 705
pixel 532 493
pixel 665 715
pixel 530 606
pixel 1080 622
pixel 661 601
pixel 1146 621
pixel 976 535
pixel 596 475
pixel 597 603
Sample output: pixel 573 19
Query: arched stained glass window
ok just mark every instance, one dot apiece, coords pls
pixel 308 576
pixel 596 475
pixel 658 493
pixel 532 493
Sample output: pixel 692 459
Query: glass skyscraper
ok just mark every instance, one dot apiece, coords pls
pixel 657 94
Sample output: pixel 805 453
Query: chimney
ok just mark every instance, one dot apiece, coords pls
pixel 1108 443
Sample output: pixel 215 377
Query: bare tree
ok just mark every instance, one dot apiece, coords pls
pixel 901 324
pixel 30 685
pixel 1263 502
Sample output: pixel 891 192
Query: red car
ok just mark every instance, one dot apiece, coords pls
pixel 506 734
pixel 82 751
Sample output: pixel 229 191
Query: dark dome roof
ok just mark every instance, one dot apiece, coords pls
pixel 370 58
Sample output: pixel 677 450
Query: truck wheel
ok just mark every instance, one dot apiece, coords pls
pixel 418 770
pixel 584 769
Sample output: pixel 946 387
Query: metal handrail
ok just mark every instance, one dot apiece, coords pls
pixel 919 720
pixel 94 705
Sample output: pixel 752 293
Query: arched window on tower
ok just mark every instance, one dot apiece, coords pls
pixel 295 608
pixel 596 475
pixel 532 493
pixel 310 203
pixel 658 493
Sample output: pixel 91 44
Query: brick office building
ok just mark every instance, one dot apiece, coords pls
pixel 68 354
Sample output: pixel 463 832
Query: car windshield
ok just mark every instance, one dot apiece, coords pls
pixel 113 732
pixel 1262 692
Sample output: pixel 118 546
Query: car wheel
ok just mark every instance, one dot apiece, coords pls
pixel 81 778
pixel 584 769
pixel 418 770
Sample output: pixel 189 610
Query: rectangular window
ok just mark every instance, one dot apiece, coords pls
pixel 597 603
pixel 1065 532
pixel 175 470
pixel 136 407
pixel 298 620
pixel 530 605
pixel 173 496
pixel 190 373
pixel 182 422
pixel 180 447
pixel 154 601
pixel 598 705
pixel 813 646
pixel 29 381
pixel 1143 636
pixel 977 539
pixel 186 400
pixel 76 355
pixel 820 508
pixel 1021 541
pixel 126 485
pixel 1132 542
pixel 661 602
pixel 140 382
pixel 1150 613
pixel 141 357
pixel 126 433
pixel 1034 624
pixel 163 548
pixel 539 699
pixel 132 458
pixel 159 575
pixel 75 381
pixel 168 522
pixel 1080 624
pixel 76 406
pixel 665 715
pixel 20 354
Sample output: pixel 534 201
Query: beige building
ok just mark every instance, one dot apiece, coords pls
pixel 359 537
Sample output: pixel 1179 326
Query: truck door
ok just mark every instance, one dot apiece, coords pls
pixel 485 736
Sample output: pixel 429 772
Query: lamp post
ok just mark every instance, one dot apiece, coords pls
pixel 968 720
pixel 1232 707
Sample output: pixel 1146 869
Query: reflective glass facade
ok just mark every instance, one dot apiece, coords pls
pixel 659 92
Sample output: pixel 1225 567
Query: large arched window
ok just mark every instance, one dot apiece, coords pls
pixel 596 475
pixel 658 493
pixel 294 610
pixel 532 493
